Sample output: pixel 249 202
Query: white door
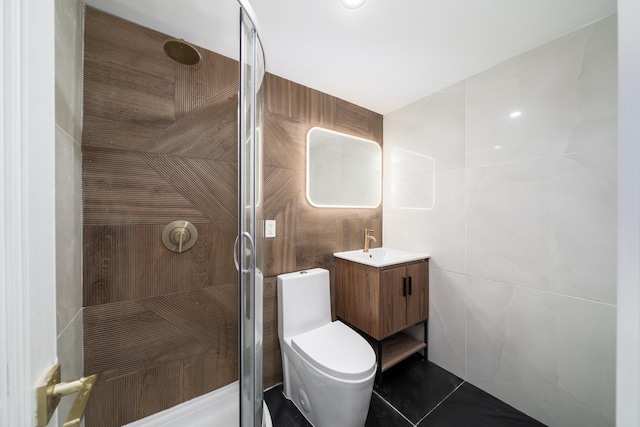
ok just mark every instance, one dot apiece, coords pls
pixel 27 243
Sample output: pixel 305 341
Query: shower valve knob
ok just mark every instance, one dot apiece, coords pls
pixel 179 236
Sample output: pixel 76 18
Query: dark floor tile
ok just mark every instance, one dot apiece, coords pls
pixel 414 387
pixel 283 412
pixel 381 414
pixel 471 407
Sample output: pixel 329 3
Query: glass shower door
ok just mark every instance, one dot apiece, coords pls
pixel 250 223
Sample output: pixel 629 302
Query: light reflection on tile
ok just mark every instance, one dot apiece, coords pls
pixel 565 91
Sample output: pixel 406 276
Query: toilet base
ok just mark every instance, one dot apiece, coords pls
pixel 323 400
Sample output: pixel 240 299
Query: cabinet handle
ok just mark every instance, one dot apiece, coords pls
pixel 404 286
pixel 409 285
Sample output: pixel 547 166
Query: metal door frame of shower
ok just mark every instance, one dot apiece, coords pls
pixel 247 224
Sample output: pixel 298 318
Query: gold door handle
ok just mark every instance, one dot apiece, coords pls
pixel 50 393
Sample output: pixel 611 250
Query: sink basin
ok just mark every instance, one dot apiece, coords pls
pixel 380 257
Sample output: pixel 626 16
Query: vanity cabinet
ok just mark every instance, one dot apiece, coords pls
pixel 404 297
pixel 382 302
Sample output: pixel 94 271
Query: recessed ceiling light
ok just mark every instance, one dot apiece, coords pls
pixel 515 114
pixel 352 4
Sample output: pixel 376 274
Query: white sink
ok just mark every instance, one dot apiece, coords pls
pixel 380 257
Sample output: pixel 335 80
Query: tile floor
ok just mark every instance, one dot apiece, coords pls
pixel 417 393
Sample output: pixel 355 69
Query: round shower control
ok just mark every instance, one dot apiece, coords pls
pixel 179 236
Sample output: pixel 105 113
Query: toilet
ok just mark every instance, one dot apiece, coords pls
pixel 328 368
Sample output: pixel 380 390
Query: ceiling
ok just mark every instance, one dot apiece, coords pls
pixel 383 55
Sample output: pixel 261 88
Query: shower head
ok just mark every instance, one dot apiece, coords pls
pixel 181 52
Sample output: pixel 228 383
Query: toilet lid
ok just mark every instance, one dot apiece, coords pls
pixel 337 350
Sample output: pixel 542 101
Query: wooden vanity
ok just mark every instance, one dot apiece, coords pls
pixel 382 302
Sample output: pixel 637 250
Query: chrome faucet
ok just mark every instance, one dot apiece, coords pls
pixel 366 239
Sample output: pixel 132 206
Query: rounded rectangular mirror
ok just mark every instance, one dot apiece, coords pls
pixel 343 171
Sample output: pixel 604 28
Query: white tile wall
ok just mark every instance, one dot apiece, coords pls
pixel 68 45
pixel 68 56
pixel 448 321
pixel 547 354
pixel 68 229
pixel 523 229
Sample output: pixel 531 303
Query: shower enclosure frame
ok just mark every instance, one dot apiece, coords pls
pixel 249 239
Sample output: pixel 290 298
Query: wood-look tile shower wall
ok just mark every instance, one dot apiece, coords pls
pixel 159 144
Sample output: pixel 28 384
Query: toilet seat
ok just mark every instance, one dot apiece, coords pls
pixel 336 350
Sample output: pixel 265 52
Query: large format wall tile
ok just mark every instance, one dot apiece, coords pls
pixel 210 186
pixel 125 262
pixel 551 356
pixel 68 229
pixel 68 195
pixel 447 321
pixel 159 387
pixel 119 187
pixel 564 90
pixel 68 45
pixel 507 223
pixel 526 244
pixel 439 232
pixel 433 126
pixel 70 359
pixel 583 223
pixel 546 224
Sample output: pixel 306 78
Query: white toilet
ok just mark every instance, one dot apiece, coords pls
pixel 328 368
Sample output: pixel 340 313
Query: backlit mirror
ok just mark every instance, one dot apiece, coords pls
pixel 343 171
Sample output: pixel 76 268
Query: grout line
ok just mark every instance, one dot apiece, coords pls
pixel 394 408
pixel 543 157
pixel 545 291
pixel 436 407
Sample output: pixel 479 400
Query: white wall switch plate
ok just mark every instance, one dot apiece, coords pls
pixel 270 228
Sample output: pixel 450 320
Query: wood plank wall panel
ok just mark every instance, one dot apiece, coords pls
pixel 272 359
pixel 172 383
pixel 112 274
pixel 211 186
pixel 159 144
pixel 285 142
pixel 307 236
pixel 196 85
pixel 160 329
pixel 126 337
pixel 131 79
pixel 119 187
pixel 209 132
pixel 280 251
pixel 281 185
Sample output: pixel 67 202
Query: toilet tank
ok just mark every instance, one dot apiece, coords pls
pixel 304 301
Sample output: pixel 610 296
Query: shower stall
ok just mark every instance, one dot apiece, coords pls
pixel 172 225
pixel 250 230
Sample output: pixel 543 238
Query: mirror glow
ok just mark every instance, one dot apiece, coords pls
pixel 343 171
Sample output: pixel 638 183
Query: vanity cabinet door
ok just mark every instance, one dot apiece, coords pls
pixel 417 276
pixel 404 296
pixel 393 304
